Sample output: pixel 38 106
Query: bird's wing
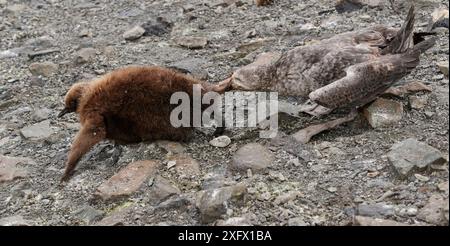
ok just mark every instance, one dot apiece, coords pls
pixel 365 81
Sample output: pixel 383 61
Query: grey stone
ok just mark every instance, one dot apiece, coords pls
pixel 38 131
pixel 435 211
pixel 368 221
pixel 40 42
pixel 214 203
pixel 443 187
pixel 133 33
pixel 251 156
pixel 378 210
pixel 418 102
pixel 443 66
pixel 15 9
pixel 439 19
pixel 185 165
pixel 191 42
pixel 41 114
pixel 116 218
pixel 9 169
pixel 8 54
pixel 88 214
pixel 15 220
pixel 45 69
pixel 161 189
pixel 383 113
pixel 411 155
pixel 128 180
pixel 221 142
pixel 85 55
pixel 178 202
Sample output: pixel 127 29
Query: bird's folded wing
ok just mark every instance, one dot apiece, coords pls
pixel 364 81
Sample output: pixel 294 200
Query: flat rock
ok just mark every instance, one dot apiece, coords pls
pixel 251 156
pixel 42 114
pixel 115 218
pixel 443 187
pixel 214 203
pixel 134 33
pixel 41 42
pixel 375 210
pixel 418 102
pixel 185 165
pixel 192 42
pixel 410 156
pixel 88 214
pixel 435 211
pixel 15 220
pixel 221 142
pixel 15 8
pixel 45 69
pixel 85 55
pixel 9 169
pixel 161 189
pixel 368 221
pixel 383 113
pixel 38 131
pixel 443 67
pixel 179 202
pixel 8 54
pixel 128 180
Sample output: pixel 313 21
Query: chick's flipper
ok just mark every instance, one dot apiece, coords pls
pixel 92 132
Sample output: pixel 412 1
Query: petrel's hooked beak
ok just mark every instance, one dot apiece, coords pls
pixel 63 112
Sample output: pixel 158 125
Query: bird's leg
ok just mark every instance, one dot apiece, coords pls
pixel 90 134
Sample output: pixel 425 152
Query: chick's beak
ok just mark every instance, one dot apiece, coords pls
pixel 63 112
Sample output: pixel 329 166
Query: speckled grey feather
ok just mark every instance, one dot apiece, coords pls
pixel 348 69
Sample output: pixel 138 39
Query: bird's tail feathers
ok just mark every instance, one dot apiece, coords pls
pixel 403 40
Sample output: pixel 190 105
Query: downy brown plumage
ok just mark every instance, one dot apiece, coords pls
pixel 128 105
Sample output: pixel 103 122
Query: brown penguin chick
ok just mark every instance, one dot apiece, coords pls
pixel 349 69
pixel 128 105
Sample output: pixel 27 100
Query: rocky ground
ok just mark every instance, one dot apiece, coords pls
pixel 392 169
